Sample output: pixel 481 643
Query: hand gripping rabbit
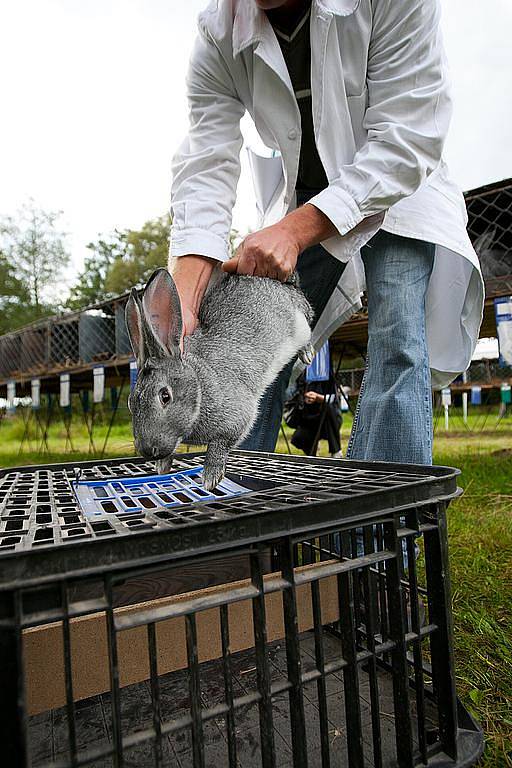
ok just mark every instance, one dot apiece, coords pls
pixel 249 329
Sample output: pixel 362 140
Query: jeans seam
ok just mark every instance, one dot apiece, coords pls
pixel 357 416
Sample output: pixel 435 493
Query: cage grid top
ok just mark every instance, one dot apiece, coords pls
pixel 45 507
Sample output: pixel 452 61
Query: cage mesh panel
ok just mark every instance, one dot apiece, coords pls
pixel 317 695
pixel 490 229
pixel 97 340
pixel 77 339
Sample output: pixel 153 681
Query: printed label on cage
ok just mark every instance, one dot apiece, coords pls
pixel 98 392
pixel 446 396
pixel 133 375
pixel 503 310
pixel 35 393
pixel 11 394
pixel 65 390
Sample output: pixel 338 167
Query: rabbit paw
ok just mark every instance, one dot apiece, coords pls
pixel 214 466
pixel 212 476
pixel 163 466
pixel 307 353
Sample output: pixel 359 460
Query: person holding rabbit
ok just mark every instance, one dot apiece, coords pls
pixel 351 99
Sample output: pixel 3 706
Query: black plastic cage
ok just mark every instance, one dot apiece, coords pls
pixel 305 622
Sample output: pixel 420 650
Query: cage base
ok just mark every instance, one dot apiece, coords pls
pixel 48 730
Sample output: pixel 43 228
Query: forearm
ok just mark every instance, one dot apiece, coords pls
pixel 191 274
pixel 308 226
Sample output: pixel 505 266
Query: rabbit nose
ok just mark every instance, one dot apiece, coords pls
pixel 155 452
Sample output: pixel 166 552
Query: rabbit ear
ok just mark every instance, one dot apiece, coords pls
pixel 162 309
pixel 133 317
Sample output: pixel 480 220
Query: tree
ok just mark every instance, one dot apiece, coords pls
pixel 125 259
pixel 14 296
pixel 144 250
pixel 118 262
pixel 34 244
pixel 90 285
pixel 32 255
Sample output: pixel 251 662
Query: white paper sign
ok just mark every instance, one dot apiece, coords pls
pixel 35 393
pixel 446 396
pixel 65 390
pixel 11 394
pixel 98 392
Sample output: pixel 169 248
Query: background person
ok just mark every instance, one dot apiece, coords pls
pixel 316 416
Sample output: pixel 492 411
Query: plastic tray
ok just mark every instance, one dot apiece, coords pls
pixel 150 492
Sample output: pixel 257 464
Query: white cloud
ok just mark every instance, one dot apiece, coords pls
pixel 94 105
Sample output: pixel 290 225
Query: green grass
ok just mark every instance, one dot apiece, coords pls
pixel 480 533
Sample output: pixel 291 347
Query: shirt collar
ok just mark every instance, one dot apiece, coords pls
pixel 250 21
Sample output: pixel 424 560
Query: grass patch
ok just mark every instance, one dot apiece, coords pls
pixel 480 537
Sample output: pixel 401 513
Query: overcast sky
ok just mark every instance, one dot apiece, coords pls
pixel 94 105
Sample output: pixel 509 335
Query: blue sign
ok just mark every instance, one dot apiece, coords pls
pixel 503 310
pixel 320 368
pixel 133 375
pixel 476 395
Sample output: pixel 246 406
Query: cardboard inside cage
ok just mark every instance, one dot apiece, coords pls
pixel 44 651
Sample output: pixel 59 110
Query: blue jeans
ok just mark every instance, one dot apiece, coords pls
pixel 394 413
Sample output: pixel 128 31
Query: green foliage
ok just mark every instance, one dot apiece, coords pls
pixel 32 257
pixel 33 243
pixel 90 285
pixel 13 296
pixel 125 259
pixel 144 250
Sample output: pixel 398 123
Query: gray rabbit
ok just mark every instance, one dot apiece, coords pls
pixel 249 329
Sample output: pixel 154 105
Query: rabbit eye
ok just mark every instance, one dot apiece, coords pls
pixel 165 396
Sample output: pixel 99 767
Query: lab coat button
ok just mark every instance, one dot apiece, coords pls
pixel 292 134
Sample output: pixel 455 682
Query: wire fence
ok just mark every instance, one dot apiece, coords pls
pixel 56 344
pixel 490 229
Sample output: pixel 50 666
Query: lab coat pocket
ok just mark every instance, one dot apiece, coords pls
pixel 268 179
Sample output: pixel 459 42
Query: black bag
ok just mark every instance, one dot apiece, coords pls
pixel 294 407
pixel 292 413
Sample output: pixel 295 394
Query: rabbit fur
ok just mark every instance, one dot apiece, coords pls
pixel 249 329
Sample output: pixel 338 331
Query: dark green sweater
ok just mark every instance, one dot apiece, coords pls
pixel 296 47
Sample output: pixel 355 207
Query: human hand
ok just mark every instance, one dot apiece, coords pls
pixel 313 397
pixel 271 252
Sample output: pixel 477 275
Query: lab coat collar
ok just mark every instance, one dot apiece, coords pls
pixel 249 22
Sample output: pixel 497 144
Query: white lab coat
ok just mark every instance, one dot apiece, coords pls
pixel 381 110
